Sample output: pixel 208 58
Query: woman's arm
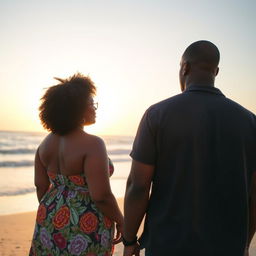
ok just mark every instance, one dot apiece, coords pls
pixel 42 182
pixel 97 177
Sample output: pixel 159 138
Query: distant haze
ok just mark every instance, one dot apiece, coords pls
pixel 131 49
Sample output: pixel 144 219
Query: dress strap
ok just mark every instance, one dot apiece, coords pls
pixel 60 156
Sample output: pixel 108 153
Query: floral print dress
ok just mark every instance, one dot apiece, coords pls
pixel 69 223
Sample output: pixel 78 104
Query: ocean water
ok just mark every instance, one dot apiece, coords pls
pixel 17 150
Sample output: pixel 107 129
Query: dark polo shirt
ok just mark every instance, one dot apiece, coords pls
pixel 203 147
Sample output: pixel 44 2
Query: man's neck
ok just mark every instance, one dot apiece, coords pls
pixel 205 84
pixel 202 80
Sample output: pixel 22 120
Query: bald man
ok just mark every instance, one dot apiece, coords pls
pixel 193 169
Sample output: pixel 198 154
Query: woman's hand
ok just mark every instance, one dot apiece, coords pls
pixel 119 233
pixel 132 250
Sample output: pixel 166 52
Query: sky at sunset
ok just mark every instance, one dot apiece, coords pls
pixel 131 50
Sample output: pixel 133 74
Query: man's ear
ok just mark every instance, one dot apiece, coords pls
pixel 217 71
pixel 185 68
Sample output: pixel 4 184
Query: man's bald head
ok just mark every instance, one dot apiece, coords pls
pixel 199 64
pixel 202 54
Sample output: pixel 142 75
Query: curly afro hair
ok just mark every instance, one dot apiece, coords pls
pixel 63 105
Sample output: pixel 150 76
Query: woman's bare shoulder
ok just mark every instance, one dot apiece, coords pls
pixel 47 139
pixel 94 140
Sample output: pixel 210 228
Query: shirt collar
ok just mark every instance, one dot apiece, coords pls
pixel 202 88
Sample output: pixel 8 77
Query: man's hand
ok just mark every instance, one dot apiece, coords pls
pixel 132 250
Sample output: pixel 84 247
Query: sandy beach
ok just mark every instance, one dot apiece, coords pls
pixel 17 229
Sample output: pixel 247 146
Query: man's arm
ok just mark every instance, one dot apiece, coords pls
pixel 136 200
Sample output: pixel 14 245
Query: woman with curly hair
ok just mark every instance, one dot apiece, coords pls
pixel 77 210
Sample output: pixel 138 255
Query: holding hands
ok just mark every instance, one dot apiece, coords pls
pixel 132 250
pixel 119 233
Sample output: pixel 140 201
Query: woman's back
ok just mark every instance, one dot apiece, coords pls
pixel 66 154
pixel 68 221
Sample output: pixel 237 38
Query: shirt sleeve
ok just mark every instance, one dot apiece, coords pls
pixel 144 145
